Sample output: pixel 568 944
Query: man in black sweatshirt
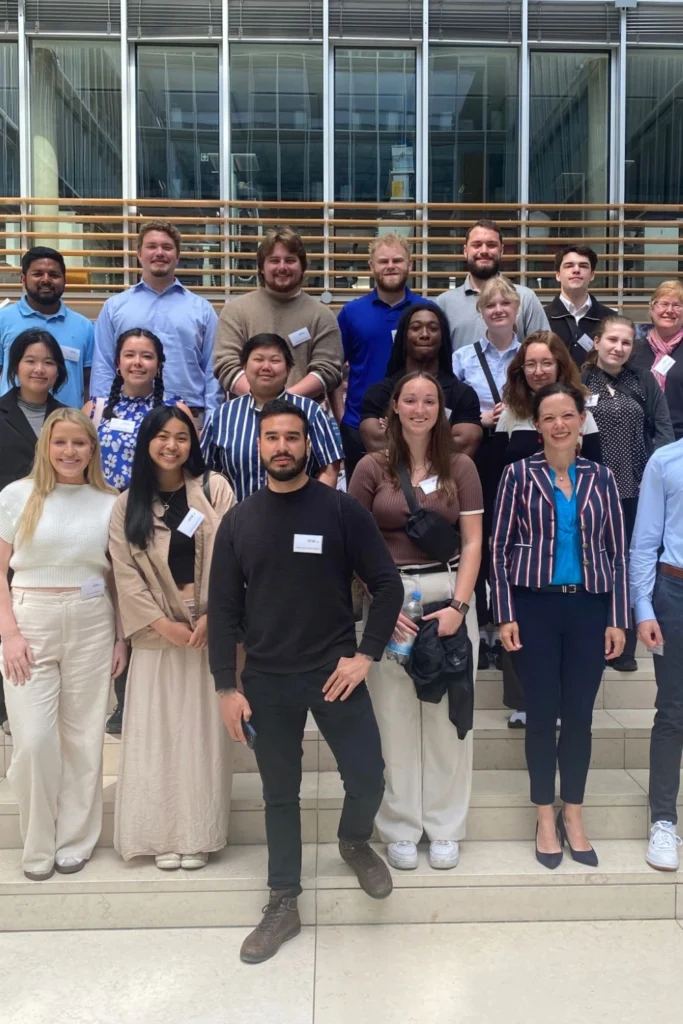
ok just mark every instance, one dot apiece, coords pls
pixel 282 567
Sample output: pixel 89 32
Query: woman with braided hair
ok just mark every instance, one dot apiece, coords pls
pixel 137 388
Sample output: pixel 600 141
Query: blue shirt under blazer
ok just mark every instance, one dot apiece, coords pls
pixel 525 527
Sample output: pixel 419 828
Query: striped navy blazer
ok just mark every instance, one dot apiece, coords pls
pixel 524 524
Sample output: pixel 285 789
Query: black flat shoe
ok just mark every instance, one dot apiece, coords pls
pixel 624 663
pixel 587 857
pixel 483 659
pixel 548 860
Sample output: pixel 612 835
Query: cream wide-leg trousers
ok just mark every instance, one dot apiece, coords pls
pixel 57 720
pixel 428 770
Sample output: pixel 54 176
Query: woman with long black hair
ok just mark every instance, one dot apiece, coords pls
pixel 173 792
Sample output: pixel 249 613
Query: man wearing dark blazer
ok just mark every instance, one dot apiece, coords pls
pixel 574 314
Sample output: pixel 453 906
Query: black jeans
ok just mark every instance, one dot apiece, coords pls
pixel 354 449
pixel 666 743
pixel 487 470
pixel 561 663
pixel 120 683
pixel 630 508
pixel 279 706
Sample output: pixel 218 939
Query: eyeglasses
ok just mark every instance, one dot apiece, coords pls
pixel 546 366
pixel 675 307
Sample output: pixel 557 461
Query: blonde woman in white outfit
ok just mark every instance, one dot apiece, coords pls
pixel 428 770
pixel 58 642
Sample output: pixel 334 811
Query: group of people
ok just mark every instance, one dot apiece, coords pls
pixel 172 516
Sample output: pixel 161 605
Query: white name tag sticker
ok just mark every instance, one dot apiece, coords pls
pixel 585 342
pixel 591 401
pixel 5 302
pixel 191 523
pixel 429 485
pixel 71 354
pixel 664 365
pixel 92 588
pixel 299 337
pixel 308 544
pixel 393 335
pixel 124 426
pixel 449 412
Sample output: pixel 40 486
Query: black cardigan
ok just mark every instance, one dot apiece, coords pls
pixel 563 324
pixel 17 439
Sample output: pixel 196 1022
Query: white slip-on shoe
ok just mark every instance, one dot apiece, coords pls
pixel 69 865
pixel 443 854
pixel 517 720
pixel 167 861
pixel 194 861
pixel 402 855
pixel 662 851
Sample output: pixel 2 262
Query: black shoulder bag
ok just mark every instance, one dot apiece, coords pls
pixel 426 528
pixel 495 393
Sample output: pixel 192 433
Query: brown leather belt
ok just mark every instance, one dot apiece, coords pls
pixel 670 570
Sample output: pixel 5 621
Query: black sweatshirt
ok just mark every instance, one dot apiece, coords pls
pixel 296 606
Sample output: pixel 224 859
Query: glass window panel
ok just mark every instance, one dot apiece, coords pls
pixel 76 118
pixel 472 124
pixel 569 127
pixel 9 120
pixel 178 122
pixel 276 103
pixel 654 126
pixel 374 121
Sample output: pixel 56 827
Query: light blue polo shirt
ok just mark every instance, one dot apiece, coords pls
pixel 74 333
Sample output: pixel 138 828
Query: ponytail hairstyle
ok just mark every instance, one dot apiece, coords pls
pixel 612 318
pixel 117 383
pixel 43 473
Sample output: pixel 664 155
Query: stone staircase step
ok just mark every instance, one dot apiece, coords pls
pixel 495 881
pixel 615 808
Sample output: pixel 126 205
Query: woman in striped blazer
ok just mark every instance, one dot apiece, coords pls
pixel 560 595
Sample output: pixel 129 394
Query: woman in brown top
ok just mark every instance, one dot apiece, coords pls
pixel 428 769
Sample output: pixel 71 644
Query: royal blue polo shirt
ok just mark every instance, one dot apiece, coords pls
pixel 73 333
pixel 368 326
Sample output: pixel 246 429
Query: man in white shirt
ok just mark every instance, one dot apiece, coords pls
pixel 574 314
pixel 483 251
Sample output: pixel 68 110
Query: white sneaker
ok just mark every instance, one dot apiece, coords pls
pixel 443 853
pixel 194 861
pixel 662 851
pixel 517 720
pixel 167 861
pixel 402 855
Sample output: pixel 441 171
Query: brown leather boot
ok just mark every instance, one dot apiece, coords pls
pixel 372 873
pixel 280 922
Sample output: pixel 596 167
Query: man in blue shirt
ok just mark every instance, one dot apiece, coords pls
pixel 43 276
pixel 185 323
pixel 368 327
pixel 656 577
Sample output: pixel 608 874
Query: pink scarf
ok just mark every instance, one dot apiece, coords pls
pixel 662 348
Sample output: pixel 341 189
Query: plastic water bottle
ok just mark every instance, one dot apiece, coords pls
pixel 399 650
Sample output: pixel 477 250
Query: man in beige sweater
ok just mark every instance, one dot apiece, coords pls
pixel 279 306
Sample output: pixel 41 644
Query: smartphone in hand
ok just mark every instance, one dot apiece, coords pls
pixel 249 734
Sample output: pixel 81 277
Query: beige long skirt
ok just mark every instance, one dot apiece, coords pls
pixel 175 774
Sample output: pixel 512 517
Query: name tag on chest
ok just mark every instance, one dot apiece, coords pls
pixel 308 544
pixel 299 337
pixel 429 485
pixel 123 426
pixel 591 401
pixel 585 342
pixel 70 353
pixel 92 588
pixel 191 523
pixel 664 365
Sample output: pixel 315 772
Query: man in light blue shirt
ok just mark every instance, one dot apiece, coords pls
pixel 43 276
pixel 656 577
pixel 184 322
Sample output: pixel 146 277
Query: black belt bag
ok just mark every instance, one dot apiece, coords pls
pixel 429 531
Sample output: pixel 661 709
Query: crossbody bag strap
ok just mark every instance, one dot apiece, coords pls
pixel 206 486
pixel 495 393
pixel 407 488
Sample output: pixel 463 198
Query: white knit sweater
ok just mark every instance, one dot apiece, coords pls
pixel 71 539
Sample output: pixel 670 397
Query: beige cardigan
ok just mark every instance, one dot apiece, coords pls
pixel 146 589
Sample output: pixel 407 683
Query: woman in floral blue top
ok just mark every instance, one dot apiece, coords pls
pixel 137 388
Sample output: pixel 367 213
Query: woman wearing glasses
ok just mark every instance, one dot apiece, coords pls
pixel 659 349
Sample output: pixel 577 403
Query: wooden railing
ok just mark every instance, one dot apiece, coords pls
pixel 638 245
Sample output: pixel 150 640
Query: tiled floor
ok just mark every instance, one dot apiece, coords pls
pixel 599 972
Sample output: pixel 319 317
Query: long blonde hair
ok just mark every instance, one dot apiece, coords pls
pixel 43 474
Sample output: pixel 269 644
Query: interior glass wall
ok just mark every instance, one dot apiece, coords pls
pixel 9 120
pixel 76 118
pixel 473 97
pixel 178 130
pixel 374 125
pixel 276 104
